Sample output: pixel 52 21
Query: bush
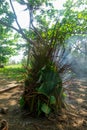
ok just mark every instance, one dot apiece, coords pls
pixel 43 92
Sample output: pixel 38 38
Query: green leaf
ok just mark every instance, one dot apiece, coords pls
pixel 52 100
pixel 64 96
pixel 42 88
pixel 22 102
pixel 45 108
pixel 40 78
pixel 21 2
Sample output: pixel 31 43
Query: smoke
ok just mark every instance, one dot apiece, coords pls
pixel 73 56
pixel 78 55
pixel 62 58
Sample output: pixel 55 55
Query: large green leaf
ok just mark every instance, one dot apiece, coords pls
pixel 64 95
pixel 52 100
pixel 49 79
pixel 42 88
pixel 45 108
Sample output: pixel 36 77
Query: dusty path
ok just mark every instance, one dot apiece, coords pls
pixel 6 84
pixel 74 118
pixel 78 97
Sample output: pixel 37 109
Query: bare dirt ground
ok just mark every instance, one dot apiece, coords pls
pixel 73 118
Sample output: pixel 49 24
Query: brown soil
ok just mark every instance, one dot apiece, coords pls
pixel 73 118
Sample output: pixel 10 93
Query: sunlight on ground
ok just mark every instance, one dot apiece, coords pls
pixel 81 89
pixel 4 96
pixel 12 102
pixel 80 100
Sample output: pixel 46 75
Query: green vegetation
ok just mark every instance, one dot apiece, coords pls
pixel 15 72
pixel 43 91
pixel 8 44
pixel 45 48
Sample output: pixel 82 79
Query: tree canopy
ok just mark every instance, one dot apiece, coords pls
pixel 45 21
pixel 8 44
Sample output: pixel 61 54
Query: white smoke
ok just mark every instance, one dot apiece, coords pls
pixel 78 46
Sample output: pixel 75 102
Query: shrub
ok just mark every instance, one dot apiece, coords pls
pixel 43 91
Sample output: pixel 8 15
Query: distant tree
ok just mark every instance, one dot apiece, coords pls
pixel 8 45
pixel 8 39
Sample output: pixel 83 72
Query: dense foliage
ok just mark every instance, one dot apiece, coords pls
pixel 14 72
pixel 7 40
pixel 8 45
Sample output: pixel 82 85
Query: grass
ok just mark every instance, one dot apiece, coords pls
pixel 15 72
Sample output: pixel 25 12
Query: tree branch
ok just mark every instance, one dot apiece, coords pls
pixel 17 30
pixel 15 16
pixel 7 25
pixel 20 29
pixel 36 31
pixel 31 25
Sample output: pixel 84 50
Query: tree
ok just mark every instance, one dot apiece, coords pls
pixel 46 43
pixel 8 45
pixel 8 40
